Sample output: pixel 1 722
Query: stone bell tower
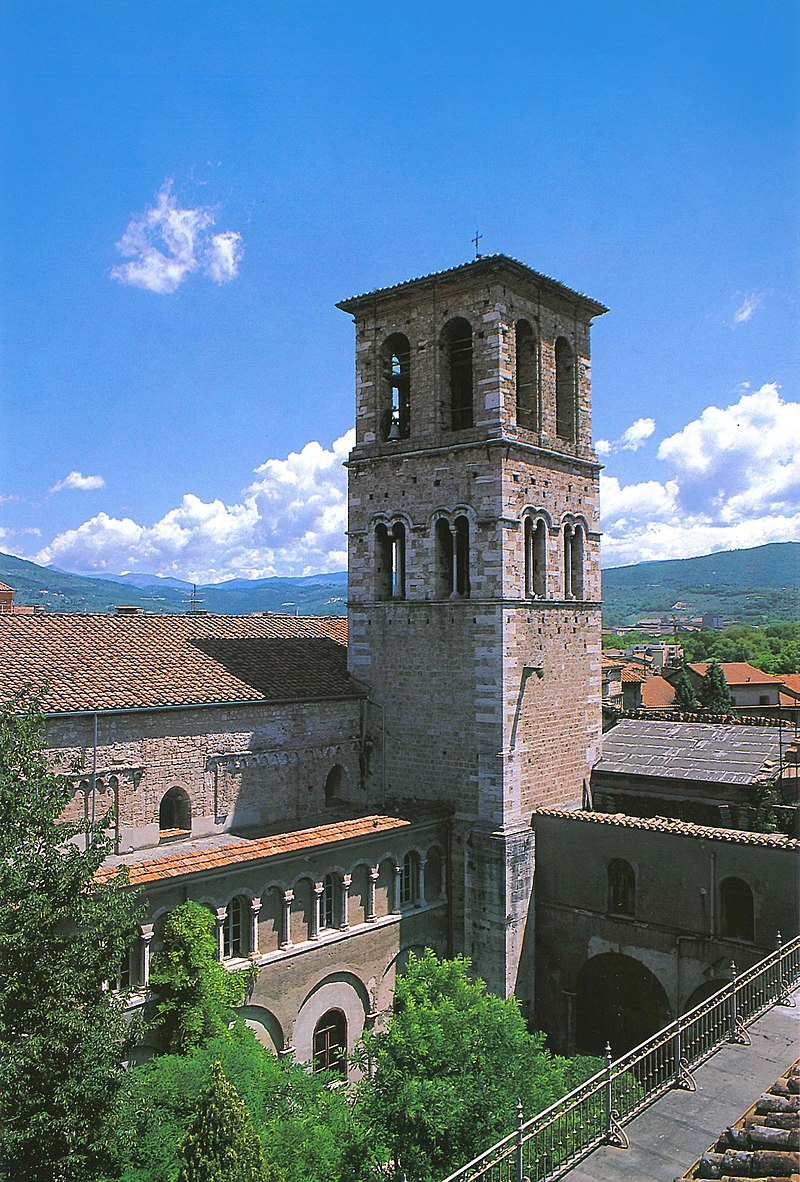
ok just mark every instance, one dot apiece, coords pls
pixel 474 587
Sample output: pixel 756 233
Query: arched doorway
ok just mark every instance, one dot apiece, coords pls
pixel 618 1001
pixel 175 813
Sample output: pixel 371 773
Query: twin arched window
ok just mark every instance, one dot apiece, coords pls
pixel 234 929
pixel 573 561
pixel 535 558
pixel 452 558
pixel 390 561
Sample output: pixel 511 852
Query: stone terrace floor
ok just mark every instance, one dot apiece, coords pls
pixel 674 1131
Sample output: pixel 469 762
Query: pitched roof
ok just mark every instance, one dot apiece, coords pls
pixel 198 858
pixel 791 685
pixel 657 691
pixel 104 662
pixel 667 825
pixel 5 587
pixel 633 676
pixel 485 264
pixel 689 751
pixel 737 673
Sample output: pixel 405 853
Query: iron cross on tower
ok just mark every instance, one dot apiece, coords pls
pixel 476 240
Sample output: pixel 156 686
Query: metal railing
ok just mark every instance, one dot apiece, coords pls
pixel 543 1147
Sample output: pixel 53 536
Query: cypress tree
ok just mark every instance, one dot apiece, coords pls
pixel 222 1145
pixel 714 695
pixel 685 697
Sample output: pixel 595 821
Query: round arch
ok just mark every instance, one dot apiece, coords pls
pixel 619 1001
pixel 265 1026
pixel 175 811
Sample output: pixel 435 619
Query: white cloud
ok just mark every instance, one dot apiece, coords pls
pixel 166 244
pixel 733 482
pixel 76 480
pixel 631 439
pixel 291 520
pixel 747 308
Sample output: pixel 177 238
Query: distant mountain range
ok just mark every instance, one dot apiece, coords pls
pixel 756 586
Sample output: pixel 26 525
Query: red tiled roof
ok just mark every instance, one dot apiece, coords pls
pixel 5 587
pixel 791 683
pixel 657 691
pixel 737 673
pixel 99 662
pixel 687 828
pixel 632 675
pixel 198 861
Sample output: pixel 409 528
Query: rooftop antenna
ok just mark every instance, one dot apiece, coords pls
pixel 194 601
pixel 476 240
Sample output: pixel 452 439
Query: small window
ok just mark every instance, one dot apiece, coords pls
pixel 736 910
pixel 526 374
pixel 457 340
pixel 127 977
pixel 535 559
pixel 327 906
pixel 397 387
pixel 330 1043
pixel 565 391
pixel 621 888
pixel 576 562
pixel 234 929
pixel 462 557
pixel 409 880
pixel 175 813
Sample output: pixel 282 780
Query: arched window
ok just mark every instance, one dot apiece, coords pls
pixel 334 782
pixel 457 341
pixel 390 561
pixel 526 372
pixel 234 930
pixel 175 813
pixel 327 906
pixel 565 391
pixel 736 910
pixel 330 1043
pixel 621 888
pixel 576 562
pixel 396 361
pixel 409 880
pixel 444 559
pixel 462 556
pixel 535 559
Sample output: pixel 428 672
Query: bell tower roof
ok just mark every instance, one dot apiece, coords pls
pixel 486 266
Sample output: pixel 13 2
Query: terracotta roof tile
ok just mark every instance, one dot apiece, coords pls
pixel 665 825
pixel 738 673
pixel 105 662
pixel 657 691
pixel 204 859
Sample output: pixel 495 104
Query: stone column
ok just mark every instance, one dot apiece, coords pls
pixel 255 907
pixel 146 936
pixel 420 900
pixel 288 899
pixel 347 880
pixel 454 535
pixel 316 914
pixel 374 872
pixel 398 879
pixel 222 915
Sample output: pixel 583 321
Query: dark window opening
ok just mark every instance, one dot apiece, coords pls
pixel 409 880
pixel 458 343
pixel 127 976
pixel 175 813
pixel 535 559
pixel 462 557
pixel 397 387
pixel 334 782
pixel 330 1043
pixel 576 562
pixel 621 888
pixel 736 910
pixel 565 391
pixel 527 385
pixel 444 559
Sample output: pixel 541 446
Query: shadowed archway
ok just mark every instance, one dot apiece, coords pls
pixel 618 1001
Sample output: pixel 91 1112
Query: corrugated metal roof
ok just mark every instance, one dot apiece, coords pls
pixel 688 751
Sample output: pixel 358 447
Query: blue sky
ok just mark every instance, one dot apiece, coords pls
pixel 188 188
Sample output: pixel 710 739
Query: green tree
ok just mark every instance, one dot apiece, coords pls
pixel 685 697
pixel 714 695
pixel 221 1144
pixel 62 934
pixel 449 1069
pixel 196 994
